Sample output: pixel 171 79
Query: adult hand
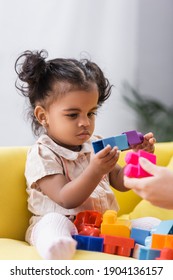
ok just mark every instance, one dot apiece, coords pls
pixel 157 189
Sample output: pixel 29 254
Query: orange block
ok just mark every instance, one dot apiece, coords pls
pixel 169 241
pixel 112 226
pixel 160 241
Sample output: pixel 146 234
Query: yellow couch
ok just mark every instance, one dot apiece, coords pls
pixel 14 215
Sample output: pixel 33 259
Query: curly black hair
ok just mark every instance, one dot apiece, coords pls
pixel 37 76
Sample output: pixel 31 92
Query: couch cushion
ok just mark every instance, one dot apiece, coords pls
pixel 17 250
pixel 146 209
pixel 20 250
pixel 14 215
pixel 170 164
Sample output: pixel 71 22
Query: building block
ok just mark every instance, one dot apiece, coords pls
pixel 117 245
pixel 109 141
pixel 133 168
pixel 148 254
pixel 89 231
pixel 148 240
pixel 123 141
pixel 136 250
pixel 120 141
pixel 134 137
pixel 165 227
pixel 160 241
pixel 139 235
pixel 88 222
pixel 113 226
pixel 89 243
pixel 166 254
pixel 98 145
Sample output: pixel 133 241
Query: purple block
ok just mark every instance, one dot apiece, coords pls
pixel 134 137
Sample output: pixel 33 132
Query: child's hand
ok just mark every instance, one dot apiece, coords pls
pixel 147 145
pixel 104 161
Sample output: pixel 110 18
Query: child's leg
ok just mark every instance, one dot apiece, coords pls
pixel 52 237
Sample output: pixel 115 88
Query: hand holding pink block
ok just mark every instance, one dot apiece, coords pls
pixel 133 168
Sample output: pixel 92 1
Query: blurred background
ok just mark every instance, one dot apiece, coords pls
pixel 131 40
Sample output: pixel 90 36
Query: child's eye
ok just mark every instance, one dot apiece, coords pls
pixel 91 114
pixel 72 116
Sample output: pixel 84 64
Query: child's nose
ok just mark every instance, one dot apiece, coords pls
pixel 84 121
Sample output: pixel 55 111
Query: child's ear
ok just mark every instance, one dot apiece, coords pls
pixel 40 115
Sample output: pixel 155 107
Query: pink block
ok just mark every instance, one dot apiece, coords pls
pixel 132 157
pixel 133 168
pixel 147 155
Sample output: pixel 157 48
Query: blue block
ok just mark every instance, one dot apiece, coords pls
pixel 97 145
pixel 148 254
pixel 139 235
pixel 109 141
pixel 89 243
pixel 121 142
pixel 165 227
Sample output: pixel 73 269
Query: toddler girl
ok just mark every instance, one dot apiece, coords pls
pixel 64 176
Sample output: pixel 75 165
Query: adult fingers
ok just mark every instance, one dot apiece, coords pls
pixel 149 166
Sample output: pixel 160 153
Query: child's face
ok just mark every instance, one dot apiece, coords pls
pixel 71 118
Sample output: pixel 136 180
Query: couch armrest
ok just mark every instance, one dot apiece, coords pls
pixel 14 215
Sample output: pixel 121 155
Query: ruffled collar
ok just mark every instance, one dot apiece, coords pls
pixel 45 140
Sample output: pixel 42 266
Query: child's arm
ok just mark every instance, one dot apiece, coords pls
pixel 116 178
pixel 74 193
